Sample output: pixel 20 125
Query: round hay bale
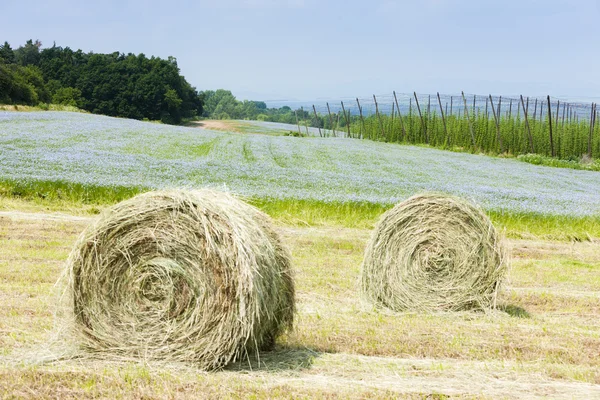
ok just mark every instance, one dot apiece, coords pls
pixel 433 252
pixel 184 276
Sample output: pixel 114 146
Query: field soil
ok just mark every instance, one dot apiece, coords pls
pixel 219 125
pixel 543 342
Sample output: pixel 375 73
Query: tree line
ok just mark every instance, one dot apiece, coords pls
pixel 222 104
pixel 116 84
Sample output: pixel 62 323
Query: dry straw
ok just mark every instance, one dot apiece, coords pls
pixel 433 252
pixel 179 276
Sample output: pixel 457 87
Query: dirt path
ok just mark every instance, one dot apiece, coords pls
pixel 219 125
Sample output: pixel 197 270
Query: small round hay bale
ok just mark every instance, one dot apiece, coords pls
pixel 433 252
pixel 180 276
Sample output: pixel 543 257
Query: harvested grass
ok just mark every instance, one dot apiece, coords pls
pixel 183 276
pixel 433 252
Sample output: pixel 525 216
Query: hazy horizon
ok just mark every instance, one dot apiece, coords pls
pixel 302 50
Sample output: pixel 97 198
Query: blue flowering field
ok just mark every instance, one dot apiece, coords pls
pixel 104 151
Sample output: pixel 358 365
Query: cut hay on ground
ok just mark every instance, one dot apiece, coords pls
pixel 180 276
pixel 433 252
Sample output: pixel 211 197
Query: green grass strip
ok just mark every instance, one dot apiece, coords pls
pixel 57 195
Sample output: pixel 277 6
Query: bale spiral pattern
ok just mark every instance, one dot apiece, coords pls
pixel 433 252
pixel 190 276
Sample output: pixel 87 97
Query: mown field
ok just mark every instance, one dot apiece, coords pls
pixel 543 341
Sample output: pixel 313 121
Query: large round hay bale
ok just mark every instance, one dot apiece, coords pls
pixel 433 252
pixel 191 276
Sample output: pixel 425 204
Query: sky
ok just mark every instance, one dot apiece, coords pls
pixel 311 49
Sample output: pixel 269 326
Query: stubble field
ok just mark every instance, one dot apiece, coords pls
pixel 543 341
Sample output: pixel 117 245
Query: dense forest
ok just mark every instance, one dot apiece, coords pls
pixel 131 86
pixel 116 84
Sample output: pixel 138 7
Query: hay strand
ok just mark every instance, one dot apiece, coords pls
pixel 182 276
pixel 433 252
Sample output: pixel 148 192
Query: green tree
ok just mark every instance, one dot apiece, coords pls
pixel 220 102
pixel 21 85
pixel 261 105
pixel 68 96
pixel 28 54
pixel 172 113
pixel 116 84
pixel 7 55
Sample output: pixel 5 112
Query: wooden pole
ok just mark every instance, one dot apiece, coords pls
pixel 486 108
pixel 428 121
pixel 305 123
pixel 422 121
pixel 392 130
pixel 487 117
pixel 349 122
pixel 500 120
pixel 347 118
pixel 443 119
pixel 451 101
pixel 557 111
pixel 592 120
pixel 535 109
pixel 469 119
pixel 410 121
pixel 558 152
pixel 527 124
pixel 499 106
pixel 298 123
pixel 595 118
pixel 330 120
pixel 318 122
pixel 400 117
pixel 362 120
pixel 510 120
pixel 550 128
pixel 379 118
pixel 497 120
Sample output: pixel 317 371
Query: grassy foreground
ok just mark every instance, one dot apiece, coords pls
pixel 88 199
pixel 543 342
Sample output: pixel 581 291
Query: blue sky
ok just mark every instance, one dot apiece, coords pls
pixel 310 49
